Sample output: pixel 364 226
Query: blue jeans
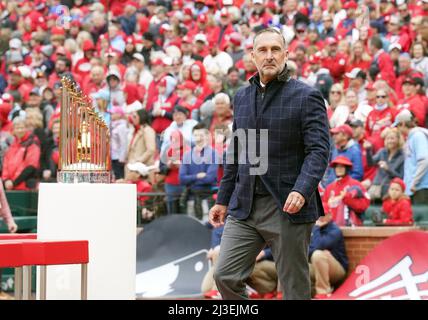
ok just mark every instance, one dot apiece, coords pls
pixel 173 193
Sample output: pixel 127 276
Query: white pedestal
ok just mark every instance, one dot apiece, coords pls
pixel 103 214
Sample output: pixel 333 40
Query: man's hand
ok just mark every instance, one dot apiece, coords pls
pixel 217 215
pixel 201 175
pixel 12 227
pixel 295 201
pixel 8 185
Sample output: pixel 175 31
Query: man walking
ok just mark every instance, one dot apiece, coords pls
pixel 277 207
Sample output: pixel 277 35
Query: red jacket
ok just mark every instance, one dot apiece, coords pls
pixel 336 65
pixel 376 122
pixel 363 65
pixel 369 171
pixel 403 39
pixel 386 67
pixel 21 154
pixel 400 79
pixel 416 106
pixel 399 212
pixel 160 123
pixel 355 202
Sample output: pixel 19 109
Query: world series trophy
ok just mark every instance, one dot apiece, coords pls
pixel 84 140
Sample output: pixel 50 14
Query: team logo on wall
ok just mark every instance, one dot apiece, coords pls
pixel 397 269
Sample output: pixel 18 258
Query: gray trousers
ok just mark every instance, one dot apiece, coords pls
pixel 243 240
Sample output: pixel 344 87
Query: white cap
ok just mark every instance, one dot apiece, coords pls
pixel 138 56
pixel 394 19
pixel 402 117
pixel 139 167
pixel 394 45
pixel 15 44
pixel 353 73
pixel 200 37
pixel 228 2
pixel 258 1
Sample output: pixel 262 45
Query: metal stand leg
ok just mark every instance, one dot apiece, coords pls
pixel 18 283
pixel 43 277
pixel 84 282
pixel 26 283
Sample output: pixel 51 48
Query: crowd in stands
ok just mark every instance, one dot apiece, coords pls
pixel 163 74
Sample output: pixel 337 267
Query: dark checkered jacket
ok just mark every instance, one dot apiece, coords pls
pixel 298 147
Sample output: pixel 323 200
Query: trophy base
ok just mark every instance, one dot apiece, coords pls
pixel 83 177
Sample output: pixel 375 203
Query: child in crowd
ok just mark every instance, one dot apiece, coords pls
pixel 397 205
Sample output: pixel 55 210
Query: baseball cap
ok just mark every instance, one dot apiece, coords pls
pixel 356 123
pixel 181 109
pixel 138 56
pixel 139 167
pixel 409 80
pixel 353 74
pixel 200 37
pixel 350 5
pixel 344 128
pixel 15 44
pixel 187 85
pixel 400 182
pixel 202 18
pixel 35 91
pixel 402 117
pixel 393 46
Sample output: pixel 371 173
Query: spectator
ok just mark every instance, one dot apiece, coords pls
pixel 198 171
pixel 217 59
pixel 360 137
pixel 397 205
pixel 22 159
pixel 346 198
pixel 390 162
pixel 334 60
pixel 346 146
pixel 420 59
pixel 119 141
pixel 319 77
pixel 381 117
pixel 327 256
pixel 142 147
pixel 381 66
pixel 336 98
pixel 357 82
pixel 358 58
pixel 405 71
pixel 138 64
pixel 351 110
pixel 412 101
pixel 416 159
pixel 95 81
pixel 49 165
pixel 232 83
pixel 328 29
pixel 169 166
pixel 222 114
pixel 180 122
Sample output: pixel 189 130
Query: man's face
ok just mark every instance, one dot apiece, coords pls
pixel 15 79
pixel 34 100
pixel 404 63
pixel 179 117
pixel 269 55
pixel 221 108
pixel 357 132
pixel 97 76
pixel 186 48
pixel 290 5
pixel 113 82
pixel 408 89
pixel 19 130
pixel 233 77
pixel 327 22
pixel 351 99
pixel 339 138
pixel 60 66
pixel 200 137
pixel 340 170
pixel 392 27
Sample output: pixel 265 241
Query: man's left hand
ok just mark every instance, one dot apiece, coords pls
pixel 12 227
pixel 294 202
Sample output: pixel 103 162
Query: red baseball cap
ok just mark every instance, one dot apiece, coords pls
pixel 341 160
pixel 314 59
pixel 400 182
pixel 344 128
pixel 157 62
pixel 202 18
pixel 187 85
pixel 88 45
pixel 350 5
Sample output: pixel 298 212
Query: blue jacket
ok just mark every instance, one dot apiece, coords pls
pixel 353 152
pixel 298 147
pixel 329 238
pixel 194 163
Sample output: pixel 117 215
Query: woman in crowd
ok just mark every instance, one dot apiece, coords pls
pixel 22 159
pixel 390 162
pixel 336 98
pixel 142 147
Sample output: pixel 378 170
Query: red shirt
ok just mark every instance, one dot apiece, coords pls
pixel 377 121
pixel 416 106
pixel 399 212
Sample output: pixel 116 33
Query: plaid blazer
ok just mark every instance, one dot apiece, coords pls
pixel 298 147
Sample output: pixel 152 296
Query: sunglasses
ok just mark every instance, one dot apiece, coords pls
pixel 383 97
pixel 335 92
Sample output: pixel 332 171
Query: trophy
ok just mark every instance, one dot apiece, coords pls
pixel 84 140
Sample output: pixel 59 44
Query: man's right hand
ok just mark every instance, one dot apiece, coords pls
pixel 217 215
